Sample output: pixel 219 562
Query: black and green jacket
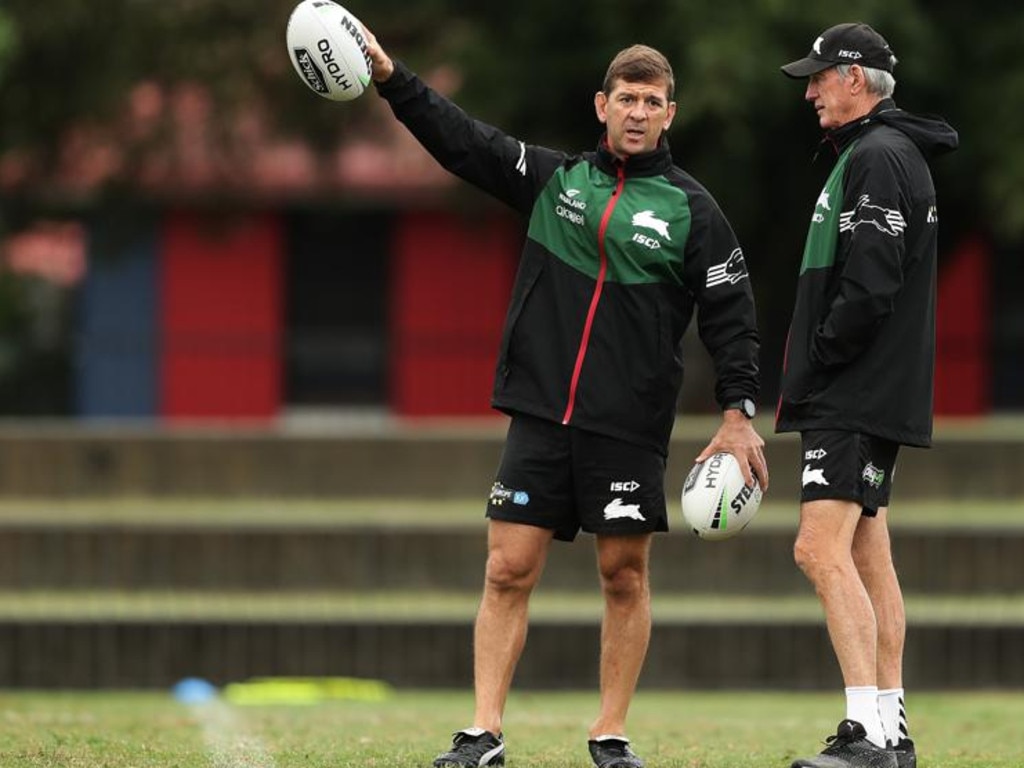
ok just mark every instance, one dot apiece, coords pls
pixel 861 349
pixel 616 257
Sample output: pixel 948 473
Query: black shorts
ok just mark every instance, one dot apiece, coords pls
pixel 849 466
pixel 564 479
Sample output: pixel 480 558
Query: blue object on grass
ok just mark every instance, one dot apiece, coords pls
pixel 193 690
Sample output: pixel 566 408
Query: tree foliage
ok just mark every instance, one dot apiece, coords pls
pixel 532 67
pixel 73 67
pixel 6 39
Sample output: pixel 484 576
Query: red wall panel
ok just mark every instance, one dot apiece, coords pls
pixel 451 281
pixel 221 315
pixel 963 333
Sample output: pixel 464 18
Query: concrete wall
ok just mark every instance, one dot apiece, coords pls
pixel 684 655
pixel 414 463
pixel 86 557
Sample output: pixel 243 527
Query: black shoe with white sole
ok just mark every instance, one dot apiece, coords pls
pixel 473 748
pixel 850 748
pixel 906 755
pixel 613 752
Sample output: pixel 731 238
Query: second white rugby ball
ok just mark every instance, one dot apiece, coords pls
pixel 716 502
pixel 328 49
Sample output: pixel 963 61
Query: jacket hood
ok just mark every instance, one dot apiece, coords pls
pixel 932 135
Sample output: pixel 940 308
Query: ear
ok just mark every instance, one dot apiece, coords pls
pixel 601 106
pixel 858 82
pixel 671 114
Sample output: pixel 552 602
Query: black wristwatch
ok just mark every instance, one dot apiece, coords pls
pixel 744 405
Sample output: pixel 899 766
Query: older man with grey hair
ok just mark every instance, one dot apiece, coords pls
pixel 857 381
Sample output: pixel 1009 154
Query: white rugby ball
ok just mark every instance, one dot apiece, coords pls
pixel 328 49
pixel 716 502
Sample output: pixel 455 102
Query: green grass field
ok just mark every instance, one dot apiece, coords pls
pixel 543 730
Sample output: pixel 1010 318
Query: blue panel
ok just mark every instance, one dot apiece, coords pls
pixel 116 353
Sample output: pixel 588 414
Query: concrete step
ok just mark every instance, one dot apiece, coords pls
pixel 976 459
pixel 389 606
pixel 290 557
pixel 140 641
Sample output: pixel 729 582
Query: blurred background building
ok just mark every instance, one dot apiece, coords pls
pixel 186 232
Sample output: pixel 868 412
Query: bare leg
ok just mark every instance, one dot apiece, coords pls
pixel 873 556
pixel 626 629
pixel 515 560
pixel 823 550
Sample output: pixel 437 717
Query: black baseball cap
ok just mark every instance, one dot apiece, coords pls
pixel 851 43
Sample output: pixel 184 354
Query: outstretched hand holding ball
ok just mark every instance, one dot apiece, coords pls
pixel 383 66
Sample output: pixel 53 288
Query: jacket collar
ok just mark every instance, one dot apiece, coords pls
pixel 657 161
pixel 840 138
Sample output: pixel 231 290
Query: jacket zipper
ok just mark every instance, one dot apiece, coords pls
pixel 596 297
pixel 785 366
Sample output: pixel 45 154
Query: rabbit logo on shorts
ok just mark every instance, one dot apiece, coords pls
pixel 616 510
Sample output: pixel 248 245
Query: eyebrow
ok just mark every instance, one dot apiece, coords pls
pixel 658 97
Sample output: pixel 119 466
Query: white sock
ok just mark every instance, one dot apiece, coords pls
pixel 894 714
pixel 862 706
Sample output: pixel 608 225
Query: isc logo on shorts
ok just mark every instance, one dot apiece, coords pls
pixel 624 486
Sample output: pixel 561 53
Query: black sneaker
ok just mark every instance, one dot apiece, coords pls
pixel 473 747
pixel 906 755
pixel 850 747
pixel 613 752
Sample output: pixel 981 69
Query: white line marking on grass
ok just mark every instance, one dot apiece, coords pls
pixel 227 740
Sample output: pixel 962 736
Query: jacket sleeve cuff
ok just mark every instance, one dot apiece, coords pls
pixel 399 77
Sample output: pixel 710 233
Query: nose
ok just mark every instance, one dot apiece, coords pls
pixel 812 91
pixel 639 111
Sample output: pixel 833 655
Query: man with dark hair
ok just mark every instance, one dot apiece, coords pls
pixel 616 258
pixel 857 381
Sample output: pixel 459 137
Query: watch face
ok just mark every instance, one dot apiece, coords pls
pixel 746 406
